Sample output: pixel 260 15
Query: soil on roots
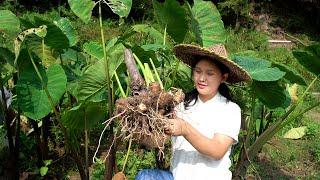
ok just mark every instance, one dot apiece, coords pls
pixel 144 116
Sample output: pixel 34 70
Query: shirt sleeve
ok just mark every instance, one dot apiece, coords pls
pixel 231 121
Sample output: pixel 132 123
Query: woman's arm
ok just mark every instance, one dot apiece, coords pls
pixel 215 147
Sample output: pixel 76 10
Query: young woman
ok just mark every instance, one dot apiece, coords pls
pixel 207 123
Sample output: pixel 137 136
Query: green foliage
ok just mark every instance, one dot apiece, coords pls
pixel 177 74
pixel 32 91
pixel 291 74
pixel 206 23
pixel 309 58
pixel 271 94
pixel 41 31
pixel 9 23
pixel 315 151
pixel 313 129
pixel 59 33
pixel 93 83
pixel 27 152
pixel 172 16
pixel 243 40
pixel 94 80
pixel 120 7
pixel 44 169
pixel 82 8
pixel 84 116
pixel 65 25
pixel 98 170
pixel 259 69
pixel 6 62
pixel 150 31
pixel 94 49
pixel 138 160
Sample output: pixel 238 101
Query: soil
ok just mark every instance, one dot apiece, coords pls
pixel 144 116
pixel 287 159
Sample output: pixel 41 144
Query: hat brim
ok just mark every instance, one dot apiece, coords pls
pixel 188 53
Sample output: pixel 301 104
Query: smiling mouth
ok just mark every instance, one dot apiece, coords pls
pixel 201 86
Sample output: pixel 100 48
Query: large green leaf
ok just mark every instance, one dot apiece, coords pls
pixel 292 75
pixel 65 25
pixel 92 112
pixel 9 23
pixel 94 81
pixel 73 61
pixel 32 97
pixel 151 31
pixel 173 16
pixel 144 55
pixel 271 94
pixel 45 53
pixel 94 49
pixel 309 58
pixel 259 69
pixel 206 23
pixel 57 36
pixel 41 31
pixel 120 7
pixel 82 8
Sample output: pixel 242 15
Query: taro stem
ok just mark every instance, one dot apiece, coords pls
pixel 137 82
pixel 67 139
pixel 111 159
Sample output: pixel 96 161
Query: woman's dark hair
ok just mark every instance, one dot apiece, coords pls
pixel 223 88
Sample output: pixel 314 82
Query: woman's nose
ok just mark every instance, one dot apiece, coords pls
pixel 202 77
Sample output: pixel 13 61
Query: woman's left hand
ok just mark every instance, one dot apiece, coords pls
pixel 176 127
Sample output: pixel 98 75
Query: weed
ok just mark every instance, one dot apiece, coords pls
pixel 137 161
pixel 244 40
pixel 313 129
pixel 98 170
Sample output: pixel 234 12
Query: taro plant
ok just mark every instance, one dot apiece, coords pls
pixel 273 95
pixel 38 66
pixel 97 79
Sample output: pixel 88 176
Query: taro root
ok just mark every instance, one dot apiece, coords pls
pixel 119 176
pixel 144 116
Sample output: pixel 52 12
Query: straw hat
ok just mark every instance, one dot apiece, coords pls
pixel 188 54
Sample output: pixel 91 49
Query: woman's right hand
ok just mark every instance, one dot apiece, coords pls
pixel 176 127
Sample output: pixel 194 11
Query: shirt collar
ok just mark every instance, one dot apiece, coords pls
pixel 216 98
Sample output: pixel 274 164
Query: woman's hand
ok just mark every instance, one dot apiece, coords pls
pixel 176 127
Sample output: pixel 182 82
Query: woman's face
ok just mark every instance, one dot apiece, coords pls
pixel 207 77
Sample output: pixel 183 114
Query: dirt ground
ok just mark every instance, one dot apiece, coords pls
pixel 288 159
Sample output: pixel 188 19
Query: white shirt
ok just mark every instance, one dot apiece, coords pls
pixel 213 116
